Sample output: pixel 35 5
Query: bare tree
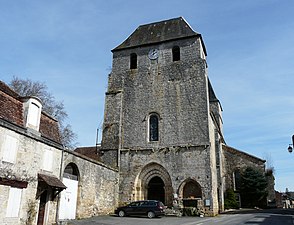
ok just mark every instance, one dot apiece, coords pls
pixel 27 87
pixel 269 164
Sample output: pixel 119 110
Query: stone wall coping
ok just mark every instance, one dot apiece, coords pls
pixel 233 150
pixel 28 133
pixel 89 159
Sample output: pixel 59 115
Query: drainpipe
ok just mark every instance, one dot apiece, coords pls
pixel 60 177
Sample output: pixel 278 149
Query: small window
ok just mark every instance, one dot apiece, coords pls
pixel 71 171
pixel 34 115
pixel 153 127
pixel 13 203
pixel 32 109
pixel 176 53
pixel 133 61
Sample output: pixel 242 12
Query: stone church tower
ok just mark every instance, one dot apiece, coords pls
pixel 162 119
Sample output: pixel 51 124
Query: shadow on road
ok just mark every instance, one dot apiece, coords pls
pixel 272 219
pixel 272 211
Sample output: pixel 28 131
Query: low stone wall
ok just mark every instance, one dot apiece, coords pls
pixel 98 185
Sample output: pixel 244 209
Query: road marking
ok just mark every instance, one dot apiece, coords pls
pixel 197 222
pixel 192 223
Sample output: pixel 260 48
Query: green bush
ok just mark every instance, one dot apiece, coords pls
pixel 230 200
pixel 253 188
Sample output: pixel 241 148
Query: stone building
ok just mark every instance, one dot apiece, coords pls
pixel 41 182
pixel 163 121
pixel 235 162
pixel 30 160
pixel 95 185
pixel 163 118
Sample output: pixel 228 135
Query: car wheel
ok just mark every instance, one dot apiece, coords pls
pixel 150 214
pixel 121 213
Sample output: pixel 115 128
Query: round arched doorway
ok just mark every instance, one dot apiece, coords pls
pixel 191 192
pixel 156 189
pixel 153 182
pixel 68 197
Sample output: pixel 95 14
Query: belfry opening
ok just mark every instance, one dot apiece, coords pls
pixel 156 189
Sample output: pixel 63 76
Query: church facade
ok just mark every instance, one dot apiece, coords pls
pixel 164 119
pixel 163 122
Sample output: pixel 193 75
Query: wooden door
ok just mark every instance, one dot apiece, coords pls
pixel 42 207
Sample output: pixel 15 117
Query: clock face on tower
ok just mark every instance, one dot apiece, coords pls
pixel 153 54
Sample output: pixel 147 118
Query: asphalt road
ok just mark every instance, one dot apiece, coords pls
pixel 250 217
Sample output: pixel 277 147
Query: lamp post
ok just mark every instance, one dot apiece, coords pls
pixel 290 148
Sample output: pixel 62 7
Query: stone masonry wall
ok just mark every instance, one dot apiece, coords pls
pixel 213 166
pixel 181 163
pixel 237 160
pixel 28 163
pixel 176 91
pixel 98 186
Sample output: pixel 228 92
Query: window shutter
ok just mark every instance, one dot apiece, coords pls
pixel 13 204
pixel 9 149
pixel 33 115
pixel 48 160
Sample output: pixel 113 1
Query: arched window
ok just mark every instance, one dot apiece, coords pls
pixel 176 53
pixel 133 61
pixel 236 180
pixel 153 127
pixel 33 108
pixel 71 171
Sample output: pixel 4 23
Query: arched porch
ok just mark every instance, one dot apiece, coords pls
pixel 154 182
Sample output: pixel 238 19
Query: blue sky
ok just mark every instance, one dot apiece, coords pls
pixel 250 45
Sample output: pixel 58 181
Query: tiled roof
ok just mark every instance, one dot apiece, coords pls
pixel 11 109
pixel 91 152
pixel 51 181
pixel 6 89
pixel 49 128
pixel 166 30
pixel 212 96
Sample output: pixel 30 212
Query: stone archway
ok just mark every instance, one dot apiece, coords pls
pixel 191 193
pixel 190 189
pixel 68 198
pixel 151 176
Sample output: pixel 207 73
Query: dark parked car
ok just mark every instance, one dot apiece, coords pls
pixel 150 208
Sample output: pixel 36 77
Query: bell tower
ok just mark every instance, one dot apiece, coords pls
pixel 161 110
pixel 158 89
